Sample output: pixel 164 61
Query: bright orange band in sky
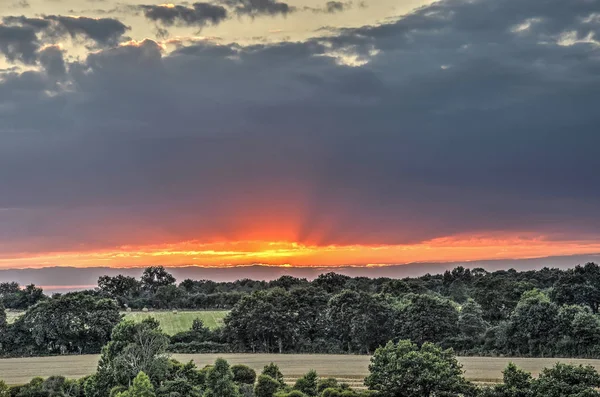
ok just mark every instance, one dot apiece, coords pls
pixel 295 254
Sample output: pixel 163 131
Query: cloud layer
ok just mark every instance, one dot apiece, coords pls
pixel 462 118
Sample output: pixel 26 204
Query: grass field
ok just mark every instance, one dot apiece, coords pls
pixel 351 369
pixel 170 322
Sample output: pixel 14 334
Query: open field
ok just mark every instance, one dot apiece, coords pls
pixel 171 323
pixel 350 369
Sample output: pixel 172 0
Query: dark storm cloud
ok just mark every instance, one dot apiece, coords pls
pixel 18 43
pixel 103 31
pixel 52 61
pixel 259 7
pixel 331 7
pixel 198 14
pixel 462 117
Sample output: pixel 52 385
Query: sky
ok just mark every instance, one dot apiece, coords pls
pixel 297 132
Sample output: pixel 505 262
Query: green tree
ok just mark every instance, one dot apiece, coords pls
pixel 273 371
pixel 134 348
pixel 70 323
pixel 119 285
pixel 4 389
pixel 564 380
pixel 3 321
pixel 155 277
pixel 361 321
pixel 404 370
pixel 266 386
pixel 219 382
pixel 308 384
pixel 428 319
pixel 580 285
pixel 532 327
pixel 264 321
pixel 142 387
pixel 243 374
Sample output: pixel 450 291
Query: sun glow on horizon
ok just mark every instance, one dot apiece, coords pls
pixel 294 254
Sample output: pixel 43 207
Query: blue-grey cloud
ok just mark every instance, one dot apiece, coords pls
pixel 462 117
pixel 197 15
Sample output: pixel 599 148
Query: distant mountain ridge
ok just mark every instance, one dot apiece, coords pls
pixel 60 279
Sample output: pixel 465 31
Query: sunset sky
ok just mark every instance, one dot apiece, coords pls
pixel 297 133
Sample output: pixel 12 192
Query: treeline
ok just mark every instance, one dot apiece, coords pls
pixel 135 363
pixel 542 313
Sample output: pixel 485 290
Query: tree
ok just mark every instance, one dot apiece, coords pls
pixel 264 320
pixel 266 386
pixel 532 326
pixel 243 374
pixel 119 285
pixel 155 277
pixel 273 371
pixel 308 383
pixel 70 323
pixel 142 387
pixel 3 322
pixel 404 370
pixel 134 348
pixel 517 383
pixel 470 320
pixel 428 319
pixel 4 389
pixel 219 382
pixel 580 285
pixel 564 380
pixel 361 321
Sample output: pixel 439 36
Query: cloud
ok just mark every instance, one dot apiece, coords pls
pixel 259 7
pixel 331 7
pixel 18 43
pixel 461 118
pixel 20 4
pixel 52 61
pixel 198 14
pixel 102 31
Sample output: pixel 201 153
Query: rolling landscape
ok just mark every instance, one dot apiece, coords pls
pixel 299 198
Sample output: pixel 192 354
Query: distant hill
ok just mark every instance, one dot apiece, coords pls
pixel 55 279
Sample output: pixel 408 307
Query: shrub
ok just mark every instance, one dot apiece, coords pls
pixel 327 383
pixel 243 374
pixel 266 386
pixel 308 383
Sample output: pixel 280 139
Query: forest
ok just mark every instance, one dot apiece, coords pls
pixel 545 313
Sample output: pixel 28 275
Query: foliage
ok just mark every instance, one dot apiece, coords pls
pixel 266 386
pixel 243 374
pixel 134 348
pixel 273 371
pixel 71 323
pixel 405 370
pixel 219 382
pixel 308 384
pixel 142 387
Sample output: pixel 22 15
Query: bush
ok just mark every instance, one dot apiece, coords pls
pixel 293 393
pixel 331 392
pixel 308 383
pixel 243 374
pixel 273 371
pixel 266 386
pixel 328 383
pixel 200 347
pixel 246 390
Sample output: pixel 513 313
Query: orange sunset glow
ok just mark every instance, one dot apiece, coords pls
pixel 223 254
